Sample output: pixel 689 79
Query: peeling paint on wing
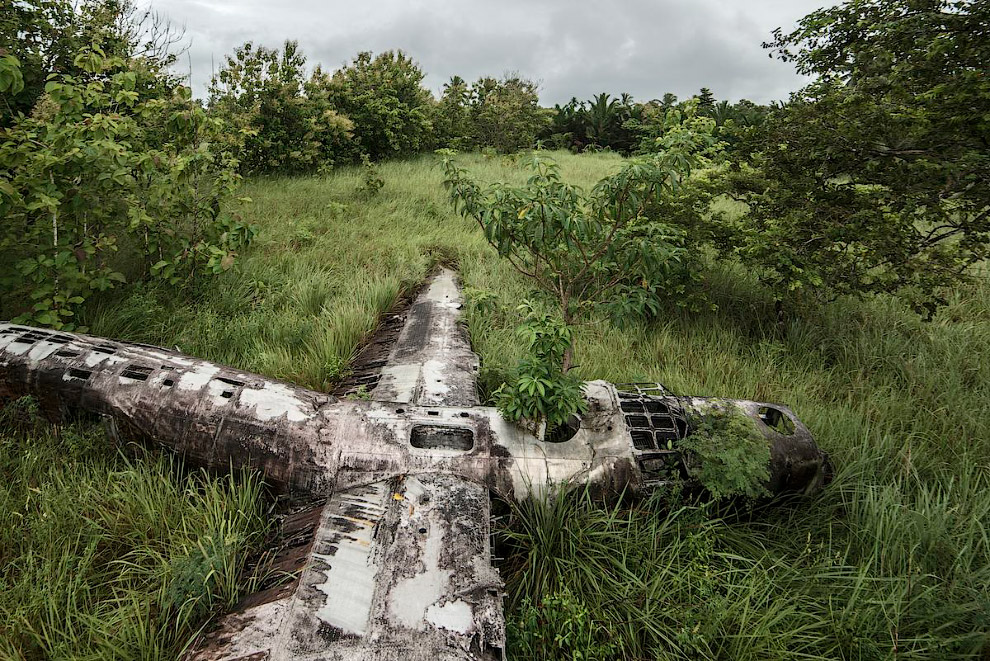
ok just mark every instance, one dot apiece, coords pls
pixel 274 400
pixel 454 616
pixel 343 552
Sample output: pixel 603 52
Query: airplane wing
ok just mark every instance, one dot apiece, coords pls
pixel 398 569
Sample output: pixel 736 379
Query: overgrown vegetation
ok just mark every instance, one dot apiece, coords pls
pixel 113 156
pixel 799 291
pixel 727 454
pixel 107 556
pixel 892 555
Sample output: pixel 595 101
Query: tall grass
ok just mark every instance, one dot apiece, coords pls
pixel 108 557
pixel 890 562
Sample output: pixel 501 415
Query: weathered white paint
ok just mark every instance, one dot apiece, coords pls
pixel 17 348
pixel 273 400
pixel 410 598
pixel 455 616
pixel 199 377
pixel 349 584
pixel 42 350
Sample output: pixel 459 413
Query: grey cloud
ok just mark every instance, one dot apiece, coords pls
pixel 573 47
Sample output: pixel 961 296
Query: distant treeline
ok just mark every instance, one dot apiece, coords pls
pixel 286 120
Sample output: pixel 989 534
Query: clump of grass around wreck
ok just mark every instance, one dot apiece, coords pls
pixel 107 557
pixel 892 561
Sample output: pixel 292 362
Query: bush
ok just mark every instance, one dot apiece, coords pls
pixel 727 454
pixel 98 165
pixel 384 98
pixel 277 121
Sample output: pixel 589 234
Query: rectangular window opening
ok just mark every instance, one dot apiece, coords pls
pixel 638 421
pixel 642 439
pixel 431 437
pixel 78 374
pixel 137 372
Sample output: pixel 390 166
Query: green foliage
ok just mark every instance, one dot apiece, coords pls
pixel 506 114
pixel 727 454
pixel 601 122
pixel 373 181
pixel 111 557
pixel 876 177
pixel 98 165
pixel 892 556
pixel 542 392
pixel 277 121
pixel 587 248
pixel 560 626
pixel 384 98
pixel 45 37
pixel 493 115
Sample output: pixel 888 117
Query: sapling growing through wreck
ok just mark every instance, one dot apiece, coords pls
pixel 599 248
pixel 542 393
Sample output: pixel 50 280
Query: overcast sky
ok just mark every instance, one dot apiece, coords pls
pixel 571 47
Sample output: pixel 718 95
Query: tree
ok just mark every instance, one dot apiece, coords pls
pixel 875 177
pixel 95 165
pixel 506 113
pixel 706 101
pixel 602 248
pixel 589 248
pixel 452 123
pixel 385 99
pixel 277 120
pixel 46 35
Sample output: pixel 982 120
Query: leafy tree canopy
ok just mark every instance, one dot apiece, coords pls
pixel 385 99
pixel 876 177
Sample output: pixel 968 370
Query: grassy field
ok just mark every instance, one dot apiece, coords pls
pixel 892 562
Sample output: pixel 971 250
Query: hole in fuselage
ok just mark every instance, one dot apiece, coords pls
pixel 776 420
pixel 565 432
pixel 431 437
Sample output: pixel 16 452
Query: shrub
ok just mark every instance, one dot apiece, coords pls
pixel 727 454
pixel 277 121
pixel 385 99
pixel 541 392
pixel 98 165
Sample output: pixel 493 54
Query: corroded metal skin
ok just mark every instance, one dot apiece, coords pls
pixel 400 564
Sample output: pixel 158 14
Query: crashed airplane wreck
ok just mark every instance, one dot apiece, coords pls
pixel 398 564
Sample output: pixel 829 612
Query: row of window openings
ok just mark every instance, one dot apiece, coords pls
pixel 141 373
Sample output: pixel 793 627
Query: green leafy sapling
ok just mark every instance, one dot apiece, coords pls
pixel 542 396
